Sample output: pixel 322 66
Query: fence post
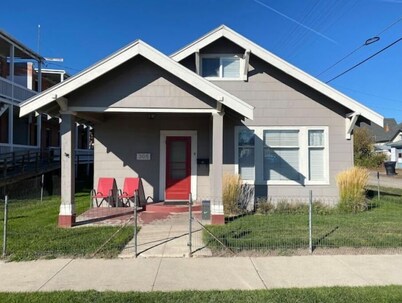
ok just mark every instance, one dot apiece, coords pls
pixel 378 184
pixel 135 223
pixel 5 226
pixel 190 222
pixel 310 221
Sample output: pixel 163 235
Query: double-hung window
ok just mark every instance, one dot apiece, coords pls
pixel 221 67
pixel 283 155
pixel 246 154
pixel 316 149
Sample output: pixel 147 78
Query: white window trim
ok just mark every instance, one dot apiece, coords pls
pixel 241 67
pixel 303 160
pixel 162 159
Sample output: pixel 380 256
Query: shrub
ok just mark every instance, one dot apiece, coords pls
pixel 232 187
pixel 372 161
pixel 352 194
pixel 283 206
pixel 364 154
pixel 264 206
pixel 295 206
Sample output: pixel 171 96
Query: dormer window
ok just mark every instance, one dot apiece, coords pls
pixel 225 67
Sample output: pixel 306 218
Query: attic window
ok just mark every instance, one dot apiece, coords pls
pixel 226 67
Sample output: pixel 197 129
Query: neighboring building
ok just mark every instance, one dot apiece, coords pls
pixel 21 77
pixel 16 63
pixel 220 105
pixel 387 139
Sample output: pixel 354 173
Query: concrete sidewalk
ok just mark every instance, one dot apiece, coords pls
pixel 169 274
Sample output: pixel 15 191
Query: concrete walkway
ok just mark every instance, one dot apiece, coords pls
pixel 168 237
pixel 169 274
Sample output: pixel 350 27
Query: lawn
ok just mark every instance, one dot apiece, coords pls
pixel 378 227
pixel 33 232
pixel 381 294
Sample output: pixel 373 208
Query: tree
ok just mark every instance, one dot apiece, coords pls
pixel 363 149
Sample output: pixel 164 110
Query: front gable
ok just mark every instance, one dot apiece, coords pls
pixel 228 40
pixel 140 84
pixel 56 97
pixel 279 98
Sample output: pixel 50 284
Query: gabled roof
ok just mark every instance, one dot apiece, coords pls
pixel 397 144
pixel 387 134
pixel 224 31
pixel 123 55
pixel 395 131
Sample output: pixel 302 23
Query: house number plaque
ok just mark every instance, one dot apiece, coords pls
pixel 144 156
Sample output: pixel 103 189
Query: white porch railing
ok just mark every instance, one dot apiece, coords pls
pixel 21 93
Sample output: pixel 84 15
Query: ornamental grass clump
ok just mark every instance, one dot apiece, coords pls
pixel 352 193
pixel 232 188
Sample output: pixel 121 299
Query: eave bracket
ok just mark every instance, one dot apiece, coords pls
pixel 350 123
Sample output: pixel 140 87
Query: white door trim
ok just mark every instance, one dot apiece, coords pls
pixel 162 159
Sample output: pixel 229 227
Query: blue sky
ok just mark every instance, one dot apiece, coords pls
pixel 310 34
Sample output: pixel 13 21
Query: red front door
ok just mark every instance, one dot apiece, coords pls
pixel 178 168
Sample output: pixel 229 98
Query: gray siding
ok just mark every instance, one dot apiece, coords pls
pixel 140 84
pixel 122 136
pixel 280 100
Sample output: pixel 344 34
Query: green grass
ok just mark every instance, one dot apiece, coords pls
pixel 381 294
pixel 33 232
pixel 378 227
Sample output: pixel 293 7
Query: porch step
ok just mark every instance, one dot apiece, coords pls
pixel 165 207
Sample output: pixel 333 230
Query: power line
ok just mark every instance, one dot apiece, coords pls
pixel 365 60
pixel 368 94
pixel 361 46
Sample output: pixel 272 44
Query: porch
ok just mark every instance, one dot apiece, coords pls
pixel 173 159
pixel 117 216
pixel 137 100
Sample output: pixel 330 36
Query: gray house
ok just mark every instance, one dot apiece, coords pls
pixel 220 105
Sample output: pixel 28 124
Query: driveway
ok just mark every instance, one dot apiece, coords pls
pixel 386 181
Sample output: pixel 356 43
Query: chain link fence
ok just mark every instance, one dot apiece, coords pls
pixel 302 225
pixel 29 224
pixel 285 225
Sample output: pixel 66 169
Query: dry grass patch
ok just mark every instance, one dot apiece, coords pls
pixel 352 192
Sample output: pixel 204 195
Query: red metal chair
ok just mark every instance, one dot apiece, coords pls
pixel 105 192
pixel 126 196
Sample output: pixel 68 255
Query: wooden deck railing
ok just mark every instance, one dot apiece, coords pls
pixel 17 163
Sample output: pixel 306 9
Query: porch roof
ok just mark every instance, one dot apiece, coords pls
pixel 57 92
pixel 270 58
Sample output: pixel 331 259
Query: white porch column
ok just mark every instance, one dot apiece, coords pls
pixel 217 216
pixel 67 207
